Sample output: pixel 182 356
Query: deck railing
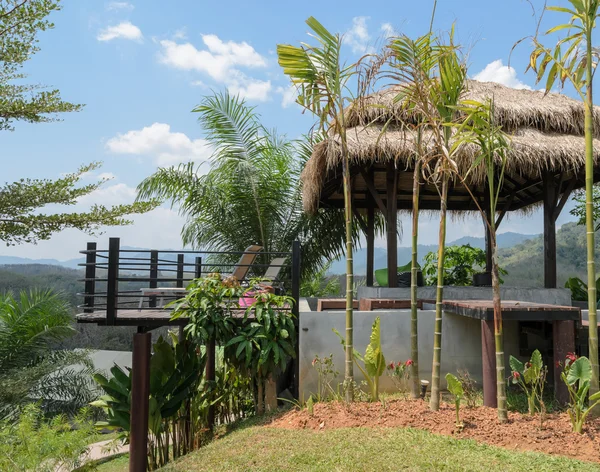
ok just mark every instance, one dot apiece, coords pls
pixel 115 277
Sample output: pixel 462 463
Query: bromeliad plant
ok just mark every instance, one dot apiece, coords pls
pixel 373 361
pixel 531 377
pixel 577 376
pixel 455 387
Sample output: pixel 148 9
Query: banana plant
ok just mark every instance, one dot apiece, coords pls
pixel 373 362
pixel 577 376
pixel 455 387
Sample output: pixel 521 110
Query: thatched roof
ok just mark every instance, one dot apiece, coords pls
pixel 546 130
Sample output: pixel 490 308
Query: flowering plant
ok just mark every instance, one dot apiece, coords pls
pixel 531 377
pixel 577 375
pixel 400 373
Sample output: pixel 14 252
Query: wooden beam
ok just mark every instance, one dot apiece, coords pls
pixel 550 190
pixel 392 224
pixel 370 241
pixel 505 209
pixel 565 196
pixel 371 186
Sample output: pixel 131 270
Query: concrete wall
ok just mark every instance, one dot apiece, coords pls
pixel 461 342
pixel 552 296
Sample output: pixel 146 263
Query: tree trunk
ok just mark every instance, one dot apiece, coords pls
pixel 270 393
pixel 589 221
pixel 349 361
pixel 414 323
pixel 434 403
pixel 260 397
pixel 498 334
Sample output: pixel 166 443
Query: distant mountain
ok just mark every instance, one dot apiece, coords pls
pixel 505 240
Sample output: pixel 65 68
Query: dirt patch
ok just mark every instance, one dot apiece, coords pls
pixel 522 432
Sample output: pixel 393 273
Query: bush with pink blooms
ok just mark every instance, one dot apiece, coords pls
pixel 400 373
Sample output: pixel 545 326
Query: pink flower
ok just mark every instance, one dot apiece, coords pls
pixel 409 362
pixel 571 356
pixel 314 361
pixel 516 375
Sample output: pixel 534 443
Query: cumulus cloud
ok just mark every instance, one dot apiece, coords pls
pixel 497 72
pixel 158 142
pixel 357 37
pixel 119 6
pixel 221 61
pixel 288 95
pixel 124 30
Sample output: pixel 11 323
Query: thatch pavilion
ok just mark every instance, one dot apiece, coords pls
pixel 546 163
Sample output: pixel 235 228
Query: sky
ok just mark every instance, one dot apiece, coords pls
pixel 141 67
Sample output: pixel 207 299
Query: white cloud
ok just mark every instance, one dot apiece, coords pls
pixel 124 30
pixel 288 95
pixel 181 33
pixel 221 61
pixel 163 145
pixel 119 6
pixel 358 36
pixel 107 176
pixel 198 83
pixel 497 72
pixel 388 30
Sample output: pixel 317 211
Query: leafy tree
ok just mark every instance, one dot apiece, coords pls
pixel 579 211
pixel 30 369
pixel 20 22
pixel 320 284
pixel 20 203
pixel 574 59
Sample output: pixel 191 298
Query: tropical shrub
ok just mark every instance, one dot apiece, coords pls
pixel 577 376
pixel 460 264
pixel 579 289
pixel 175 373
pixel 31 370
pixel 456 389
pixel 472 394
pixel 320 284
pixel 400 374
pixel 34 443
pixel 326 375
pixel 531 378
pixel 373 362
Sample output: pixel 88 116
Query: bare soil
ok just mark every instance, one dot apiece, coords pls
pixel 522 432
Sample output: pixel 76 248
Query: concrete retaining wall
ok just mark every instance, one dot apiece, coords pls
pixel 461 342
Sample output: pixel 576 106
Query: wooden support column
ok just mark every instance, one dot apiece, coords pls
pixel 370 236
pixel 563 338
pixel 550 197
pixel 392 224
pixel 488 360
pixel 140 391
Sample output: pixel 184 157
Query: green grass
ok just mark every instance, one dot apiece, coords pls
pixel 358 449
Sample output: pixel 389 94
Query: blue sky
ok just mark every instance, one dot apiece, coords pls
pixel 140 67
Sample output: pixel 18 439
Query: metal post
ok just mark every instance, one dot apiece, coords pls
pixel 296 259
pixel 90 278
pixel 153 275
pixel 180 259
pixel 112 285
pixel 140 391
pixel 198 268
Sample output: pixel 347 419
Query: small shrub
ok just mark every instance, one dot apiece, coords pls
pixel 472 394
pixel 531 377
pixel 456 389
pixel 327 374
pixel 400 373
pixel 577 375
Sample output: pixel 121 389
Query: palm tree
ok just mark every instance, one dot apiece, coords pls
pixel 574 59
pixel 31 325
pixel 251 193
pixel 478 127
pixel 322 82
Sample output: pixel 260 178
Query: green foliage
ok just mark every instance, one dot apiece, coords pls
pixel 373 361
pixel 21 202
pixel 175 373
pixel 531 378
pixel 579 289
pixel 579 209
pixel 326 375
pixel 577 376
pixel 30 368
pixel 320 284
pixel 455 387
pixel 36 444
pixel 460 263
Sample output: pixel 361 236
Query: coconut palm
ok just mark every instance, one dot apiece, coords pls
pixel 574 59
pixel 322 82
pixel 251 193
pixel 31 324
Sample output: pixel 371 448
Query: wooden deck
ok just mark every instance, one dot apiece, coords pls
pixel 511 310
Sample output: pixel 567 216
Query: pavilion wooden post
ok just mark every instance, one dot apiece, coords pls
pixel 563 337
pixel 90 277
pixel 550 193
pixel 370 236
pixel 392 224
pixel 140 391
pixel 488 361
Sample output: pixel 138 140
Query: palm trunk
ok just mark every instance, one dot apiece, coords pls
pixel 434 404
pixel 414 338
pixel 349 361
pixel 589 221
pixel 498 331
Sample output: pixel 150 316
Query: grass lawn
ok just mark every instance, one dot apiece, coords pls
pixel 357 449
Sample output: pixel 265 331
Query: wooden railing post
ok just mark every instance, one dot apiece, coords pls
pixel 140 391
pixel 153 275
pixel 180 265
pixel 90 278
pixel 296 311
pixel 112 285
pixel 198 268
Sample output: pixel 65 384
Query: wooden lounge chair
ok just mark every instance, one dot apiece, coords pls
pixel 241 269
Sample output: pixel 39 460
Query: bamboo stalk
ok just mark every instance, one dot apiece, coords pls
pixel 414 323
pixel 434 403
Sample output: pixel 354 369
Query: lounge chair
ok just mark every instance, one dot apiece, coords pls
pixel 241 269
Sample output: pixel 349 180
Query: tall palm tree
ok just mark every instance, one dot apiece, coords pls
pixel 322 82
pixel 251 193
pixel 574 59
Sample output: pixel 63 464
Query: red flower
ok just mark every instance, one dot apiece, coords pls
pixel 314 361
pixel 409 362
pixel 390 366
pixel 516 375
pixel 558 364
pixel 571 356
pixel 528 365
